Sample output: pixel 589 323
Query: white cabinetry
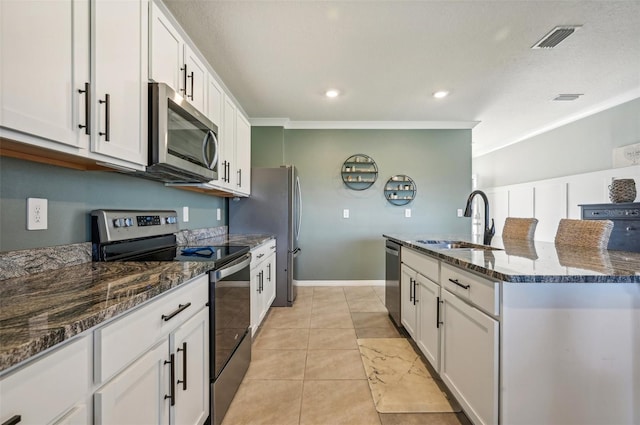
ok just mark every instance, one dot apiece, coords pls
pixel 160 357
pixel 470 339
pixel 428 338
pixel 408 313
pixel 243 153
pixel 263 282
pixel 172 61
pixel 45 63
pixel 119 73
pixel 57 383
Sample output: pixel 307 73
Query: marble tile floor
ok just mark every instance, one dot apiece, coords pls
pixel 306 367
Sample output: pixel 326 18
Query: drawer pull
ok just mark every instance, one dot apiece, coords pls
pixel 180 309
pixel 172 395
pixel 260 255
pixel 15 419
pixel 459 284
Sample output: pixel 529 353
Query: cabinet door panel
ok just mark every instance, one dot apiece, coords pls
pixel 407 305
pixel 243 154
pixel 45 61
pixel 196 80
pixel 166 51
pixel 137 395
pixel 120 70
pixel 469 358
pixel 428 329
pixel 229 143
pixel 192 351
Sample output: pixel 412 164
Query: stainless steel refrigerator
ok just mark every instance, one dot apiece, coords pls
pixel 275 207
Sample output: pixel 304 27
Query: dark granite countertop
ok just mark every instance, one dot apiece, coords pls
pixel 531 262
pixel 42 309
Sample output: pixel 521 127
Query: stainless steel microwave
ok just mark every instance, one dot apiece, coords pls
pixel 183 143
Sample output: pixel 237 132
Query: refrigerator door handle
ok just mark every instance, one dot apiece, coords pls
pixel 299 199
pixel 296 252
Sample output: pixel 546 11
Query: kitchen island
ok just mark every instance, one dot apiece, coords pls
pixel 526 333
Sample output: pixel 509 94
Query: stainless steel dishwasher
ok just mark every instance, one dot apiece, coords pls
pixel 392 280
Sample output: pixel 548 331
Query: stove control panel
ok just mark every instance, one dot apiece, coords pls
pixel 117 225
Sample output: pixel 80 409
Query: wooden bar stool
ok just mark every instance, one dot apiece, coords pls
pixel 584 233
pixel 519 228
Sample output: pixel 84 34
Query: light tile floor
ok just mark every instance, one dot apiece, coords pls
pixel 306 367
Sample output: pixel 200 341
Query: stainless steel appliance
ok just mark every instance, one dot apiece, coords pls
pixel 183 143
pixel 625 235
pixel 275 207
pixel 130 235
pixel 392 298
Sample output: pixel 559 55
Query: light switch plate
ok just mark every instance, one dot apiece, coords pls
pixel 407 212
pixel 185 214
pixel 345 213
pixel 218 214
pixel 460 213
pixel 37 214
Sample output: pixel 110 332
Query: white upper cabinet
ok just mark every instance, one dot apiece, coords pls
pixel 172 61
pixel 44 65
pixel 120 69
pixel 215 101
pixel 227 172
pixel 165 48
pixel 243 154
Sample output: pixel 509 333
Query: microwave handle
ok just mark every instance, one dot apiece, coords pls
pixel 205 143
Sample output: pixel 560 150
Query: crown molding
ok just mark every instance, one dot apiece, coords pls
pixel 363 125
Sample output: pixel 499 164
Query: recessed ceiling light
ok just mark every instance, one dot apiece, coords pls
pixel 332 93
pixel 440 94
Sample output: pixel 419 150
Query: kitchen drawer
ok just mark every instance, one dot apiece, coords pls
pixel 122 341
pixel 423 264
pixel 483 293
pixel 54 383
pixel 261 252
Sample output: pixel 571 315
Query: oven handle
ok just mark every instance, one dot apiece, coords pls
pixel 228 271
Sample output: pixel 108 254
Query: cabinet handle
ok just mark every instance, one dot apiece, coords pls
pixel 260 255
pixel 172 395
pixel 13 420
pixel 107 117
pixel 184 80
pixel 415 286
pixel 258 286
pixel 224 167
pixel 191 76
pixel 239 178
pixel 438 322
pixel 228 172
pixel 411 296
pixel 184 366
pixel 180 309
pixel 261 281
pixel 459 284
pixel 269 275
pixel 87 109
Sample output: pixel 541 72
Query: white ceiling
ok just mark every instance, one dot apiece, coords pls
pixel 388 57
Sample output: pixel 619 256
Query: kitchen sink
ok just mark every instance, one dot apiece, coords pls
pixel 460 245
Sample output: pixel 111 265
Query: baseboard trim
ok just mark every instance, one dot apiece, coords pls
pixel 338 282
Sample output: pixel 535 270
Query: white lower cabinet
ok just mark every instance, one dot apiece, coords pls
pixel 408 309
pixel 168 383
pixel 469 356
pixel 428 335
pixel 137 395
pixel 263 282
pixel 53 389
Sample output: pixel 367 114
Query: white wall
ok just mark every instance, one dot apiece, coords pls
pixel 550 200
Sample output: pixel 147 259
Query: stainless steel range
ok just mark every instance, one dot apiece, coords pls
pixel 131 235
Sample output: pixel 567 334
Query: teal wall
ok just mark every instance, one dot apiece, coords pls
pixel 334 248
pixel 73 194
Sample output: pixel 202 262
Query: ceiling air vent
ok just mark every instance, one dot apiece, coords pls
pixel 568 96
pixel 556 35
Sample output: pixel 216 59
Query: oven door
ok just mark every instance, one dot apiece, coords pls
pixel 230 340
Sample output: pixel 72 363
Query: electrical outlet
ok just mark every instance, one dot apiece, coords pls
pixel 345 213
pixel 460 213
pixel 36 214
pixel 185 214
pixel 407 212
pixel 218 214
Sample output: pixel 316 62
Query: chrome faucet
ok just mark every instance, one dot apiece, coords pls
pixel 488 231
